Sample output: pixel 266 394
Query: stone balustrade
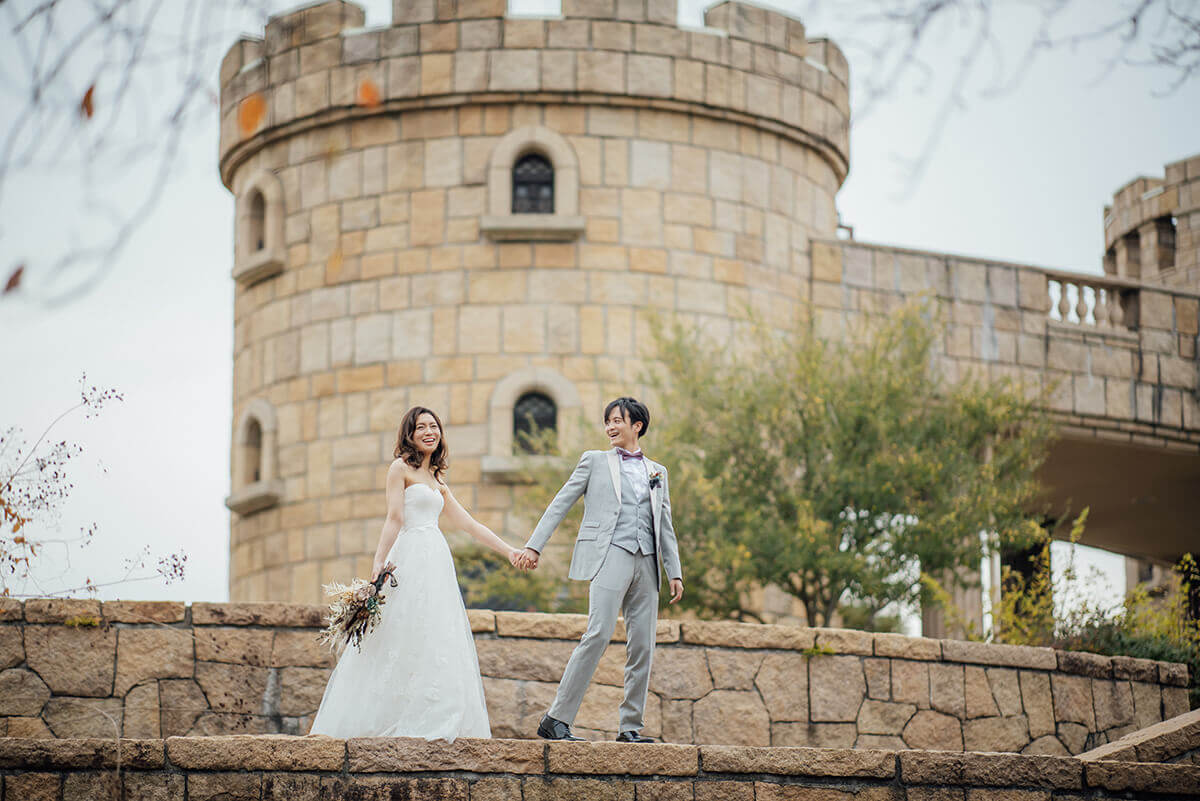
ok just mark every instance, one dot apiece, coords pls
pixel 81 668
pixel 1103 303
pixel 1119 353
pixel 275 768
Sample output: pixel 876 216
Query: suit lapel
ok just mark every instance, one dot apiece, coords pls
pixel 655 493
pixel 614 467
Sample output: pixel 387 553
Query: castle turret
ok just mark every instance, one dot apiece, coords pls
pixel 1152 228
pixel 479 214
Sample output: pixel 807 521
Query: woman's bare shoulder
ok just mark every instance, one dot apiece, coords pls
pixel 400 469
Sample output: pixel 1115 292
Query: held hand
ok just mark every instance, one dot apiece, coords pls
pixel 515 558
pixel 530 558
pixel 676 589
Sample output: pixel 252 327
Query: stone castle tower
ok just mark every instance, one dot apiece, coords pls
pixel 478 214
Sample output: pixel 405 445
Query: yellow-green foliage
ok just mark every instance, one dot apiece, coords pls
pixel 836 468
pixel 1149 623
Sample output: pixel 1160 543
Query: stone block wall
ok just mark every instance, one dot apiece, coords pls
pixel 1134 380
pixel 250 768
pixel 696 163
pixel 154 670
pixel 696 172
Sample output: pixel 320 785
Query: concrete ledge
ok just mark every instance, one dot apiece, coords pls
pixel 990 770
pixel 978 653
pixel 257 496
pixel 259 267
pixel 261 613
pixel 406 755
pixel 1161 742
pixel 143 611
pixel 44 754
pixel 623 758
pixel 1137 777
pixel 278 767
pixel 748 635
pixel 261 752
pixel 840 762
pixel 531 227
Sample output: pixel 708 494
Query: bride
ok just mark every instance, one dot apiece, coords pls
pixel 417 674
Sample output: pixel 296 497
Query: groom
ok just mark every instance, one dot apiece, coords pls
pixel 625 543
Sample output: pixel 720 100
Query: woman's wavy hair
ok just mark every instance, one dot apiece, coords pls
pixel 406 448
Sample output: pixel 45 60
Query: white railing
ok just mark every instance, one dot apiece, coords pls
pixel 1096 301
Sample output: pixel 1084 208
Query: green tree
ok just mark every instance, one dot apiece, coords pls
pixel 838 470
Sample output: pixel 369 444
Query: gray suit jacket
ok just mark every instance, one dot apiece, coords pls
pixel 597 478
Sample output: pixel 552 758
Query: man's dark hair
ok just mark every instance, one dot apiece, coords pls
pixel 633 409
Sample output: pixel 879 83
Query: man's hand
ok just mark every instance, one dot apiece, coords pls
pixel 676 589
pixel 529 559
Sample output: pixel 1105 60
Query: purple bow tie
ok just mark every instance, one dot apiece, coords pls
pixel 628 455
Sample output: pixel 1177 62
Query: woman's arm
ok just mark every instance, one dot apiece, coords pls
pixel 395 515
pixel 460 518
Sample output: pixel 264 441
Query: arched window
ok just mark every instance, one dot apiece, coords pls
pixel 533 190
pixel 533 185
pixel 256 224
pixel 252 466
pixel 260 246
pixel 528 399
pixel 535 416
pixel 255 484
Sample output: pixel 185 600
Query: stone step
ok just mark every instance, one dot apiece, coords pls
pixel 270 767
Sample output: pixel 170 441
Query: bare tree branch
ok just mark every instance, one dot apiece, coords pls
pixel 101 95
pixel 895 40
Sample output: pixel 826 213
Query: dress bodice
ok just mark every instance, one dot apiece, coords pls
pixel 422 505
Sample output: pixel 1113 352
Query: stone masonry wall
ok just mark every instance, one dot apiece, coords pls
pixel 1135 381
pixel 702 160
pixel 249 768
pixel 705 163
pixel 78 668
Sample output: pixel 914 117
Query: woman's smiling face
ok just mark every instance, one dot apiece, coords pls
pixel 427 434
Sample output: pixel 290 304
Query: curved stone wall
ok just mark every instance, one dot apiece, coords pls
pixel 1152 227
pixel 702 160
pixel 82 669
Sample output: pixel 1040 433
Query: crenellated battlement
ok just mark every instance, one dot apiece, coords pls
pixel 748 65
pixel 1152 228
pixel 311 24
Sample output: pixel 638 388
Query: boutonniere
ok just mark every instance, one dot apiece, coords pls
pixel 655 479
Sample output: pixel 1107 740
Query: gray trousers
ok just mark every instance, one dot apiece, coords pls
pixel 627 584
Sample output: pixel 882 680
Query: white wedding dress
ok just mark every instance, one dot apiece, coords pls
pixel 417 674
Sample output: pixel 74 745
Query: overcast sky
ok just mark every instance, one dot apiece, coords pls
pixel 1021 175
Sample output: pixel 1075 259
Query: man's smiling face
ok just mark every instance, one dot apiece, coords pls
pixel 621 433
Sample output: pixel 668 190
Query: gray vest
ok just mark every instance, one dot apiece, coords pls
pixel 634 530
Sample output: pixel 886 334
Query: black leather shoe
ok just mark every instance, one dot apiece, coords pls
pixel 633 737
pixel 551 729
